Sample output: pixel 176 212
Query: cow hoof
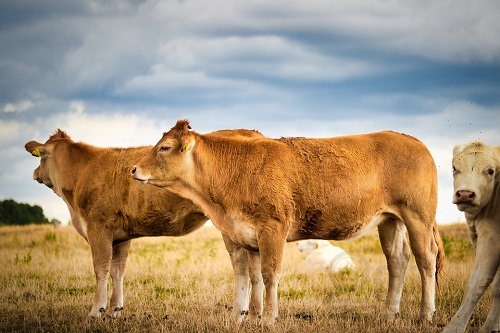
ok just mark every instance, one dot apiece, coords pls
pixel 115 313
pixel 427 319
pixel 239 316
pixel 93 318
pixel 453 329
pixel 422 321
pixel 254 318
pixel 391 316
pixel 268 322
pixel 95 315
pixel 111 315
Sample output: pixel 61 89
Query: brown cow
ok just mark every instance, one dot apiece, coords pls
pixel 109 209
pixel 264 192
pixel 476 182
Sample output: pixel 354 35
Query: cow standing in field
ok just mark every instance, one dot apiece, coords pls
pixel 264 192
pixel 109 209
pixel 476 184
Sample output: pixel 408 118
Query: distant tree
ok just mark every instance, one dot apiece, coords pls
pixel 14 213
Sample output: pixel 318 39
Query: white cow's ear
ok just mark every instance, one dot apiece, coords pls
pixel 459 148
pixel 496 149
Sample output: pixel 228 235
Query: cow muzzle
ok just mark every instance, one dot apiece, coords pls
pixel 464 196
pixel 464 199
pixel 136 173
pixel 47 182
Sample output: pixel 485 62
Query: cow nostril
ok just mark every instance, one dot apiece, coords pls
pixel 465 194
pixel 133 170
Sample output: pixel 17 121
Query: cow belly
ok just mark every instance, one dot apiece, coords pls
pixel 339 231
pixel 374 222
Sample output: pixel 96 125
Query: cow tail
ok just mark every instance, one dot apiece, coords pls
pixel 440 258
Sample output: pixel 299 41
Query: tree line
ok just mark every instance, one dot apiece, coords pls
pixel 14 213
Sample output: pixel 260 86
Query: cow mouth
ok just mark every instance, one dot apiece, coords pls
pixel 141 180
pixel 465 206
pixel 46 183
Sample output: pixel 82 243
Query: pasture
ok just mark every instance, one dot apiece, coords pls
pixel 186 285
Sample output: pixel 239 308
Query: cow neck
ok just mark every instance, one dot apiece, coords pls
pixel 210 161
pixel 203 162
pixel 76 158
pixel 491 211
pixel 217 164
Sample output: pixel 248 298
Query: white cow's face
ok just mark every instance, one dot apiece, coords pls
pixel 475 173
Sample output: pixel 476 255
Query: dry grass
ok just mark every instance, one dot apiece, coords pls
pixel 185 285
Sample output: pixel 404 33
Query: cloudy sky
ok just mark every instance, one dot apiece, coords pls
pixel 119 73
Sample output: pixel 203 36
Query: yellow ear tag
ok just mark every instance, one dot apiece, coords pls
pixel 36 152
pixel 186 147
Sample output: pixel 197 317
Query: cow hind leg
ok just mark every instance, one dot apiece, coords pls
pixel 271 240
pixel 392 234
pixel 118 264
pixel 257 292
pixel 425 249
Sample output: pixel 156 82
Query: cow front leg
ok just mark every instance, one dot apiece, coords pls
pixel 484 270
pixel 492 323
pixel 271 241
pixel 239 261
pixel 118 264
pixel 392 236
pixel 102 249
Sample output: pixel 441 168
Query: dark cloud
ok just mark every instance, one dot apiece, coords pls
pixel 312 68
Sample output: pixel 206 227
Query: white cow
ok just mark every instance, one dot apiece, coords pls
pixel 322 255
pixel 476 170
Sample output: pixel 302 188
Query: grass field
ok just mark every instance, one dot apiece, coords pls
pixel 186 285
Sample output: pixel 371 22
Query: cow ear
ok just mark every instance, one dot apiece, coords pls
pixel 34 148
pixel 187 144
pixel 496 149
pixel 459 148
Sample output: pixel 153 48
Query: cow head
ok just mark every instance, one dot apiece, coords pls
pixel 169 159
pixel 475 174
pixel 46 173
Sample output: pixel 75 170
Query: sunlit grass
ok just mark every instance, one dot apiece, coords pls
pixel 186 285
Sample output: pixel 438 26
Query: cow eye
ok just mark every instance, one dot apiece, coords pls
pixel 490 172
pixel 43 153
pixel 164 149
